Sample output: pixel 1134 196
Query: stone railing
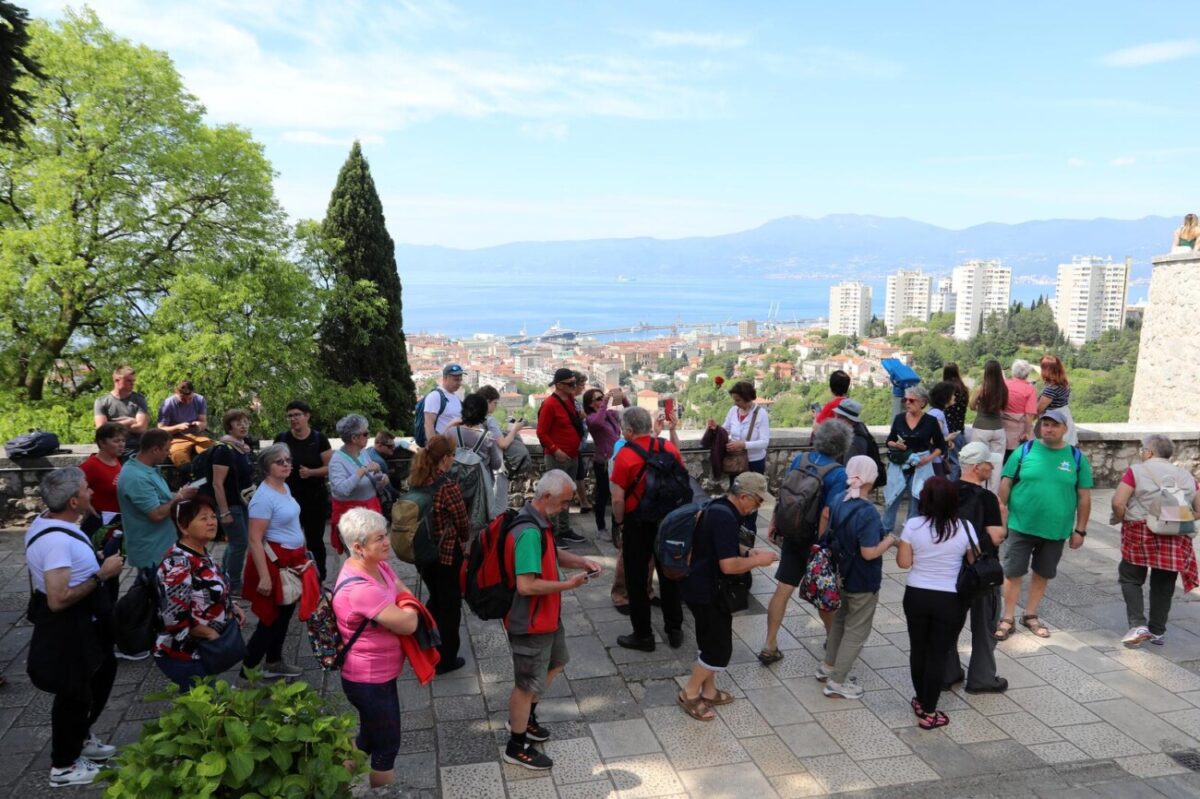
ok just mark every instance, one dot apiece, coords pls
pixel 1110 448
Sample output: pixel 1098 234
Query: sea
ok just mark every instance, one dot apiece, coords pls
pixel 606 303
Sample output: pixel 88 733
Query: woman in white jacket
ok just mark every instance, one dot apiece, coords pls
pixel 750 432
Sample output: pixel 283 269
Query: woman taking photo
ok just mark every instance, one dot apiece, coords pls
pixel 914 441
pixel 749 432
pixel 503 441
pixel 604 423
pixel 989 403
pixel 933 546
pixel 472 428
pixel 276 543
pixel 353 477
pixel 451 533
pixel 194 598
pixel 233 473
pixel 311 452
pixel 365 598
pixel 1056 394
pixel 956 418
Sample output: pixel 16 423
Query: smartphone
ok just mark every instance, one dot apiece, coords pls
pixel 590 575
pixel 198 483
pixel 669 406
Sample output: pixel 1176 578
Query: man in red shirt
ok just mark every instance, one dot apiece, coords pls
pixel 839 386
pixel 637 536
pixel 560 430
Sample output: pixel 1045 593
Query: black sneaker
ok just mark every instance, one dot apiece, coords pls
pixel 632 641
pixel 572 537
pixel 675 638
pixel 455 665
pixel 533 731
pixel 998 687
pixel 528 757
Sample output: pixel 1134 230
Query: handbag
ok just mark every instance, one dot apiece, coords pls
pixel 820 584
pixel 290 582
pixel 225 651
pixel 734 463
pixel 984 574
pixel 733 591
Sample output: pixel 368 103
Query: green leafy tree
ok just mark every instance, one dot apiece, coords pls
pixel 118 188
pixel 15 63
pixel 876 328
pixel 369 348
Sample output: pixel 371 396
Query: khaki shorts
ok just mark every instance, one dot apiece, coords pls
pixel 534 656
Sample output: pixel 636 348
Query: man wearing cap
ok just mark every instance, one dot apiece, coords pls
pixel 442 405
pixel 716 551
pixel 1045 485
pixel 849 412
pixel 560 429
pixel 980 507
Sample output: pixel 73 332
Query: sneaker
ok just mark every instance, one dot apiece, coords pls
pixel 281 669
pixel 81 772
pixel 846 690
pixel 571 537
pixel 675 638
pixel 998 687
pixel 135 656
pixel 1158 640
pixel 533 731
pixel 1137 636
pixel 95 749
pixel 822 672
pixel 528 757
pixel 446 668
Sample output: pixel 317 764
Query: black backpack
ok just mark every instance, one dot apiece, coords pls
pixel 667 484
pixel 136 620
pixel 419 416
pixel 861 433
pixel 34 444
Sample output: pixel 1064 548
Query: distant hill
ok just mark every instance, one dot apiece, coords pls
pixel 866 247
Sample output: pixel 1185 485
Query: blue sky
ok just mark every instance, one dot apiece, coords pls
pixel 493 122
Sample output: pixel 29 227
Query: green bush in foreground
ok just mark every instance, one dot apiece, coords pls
pixel 218 741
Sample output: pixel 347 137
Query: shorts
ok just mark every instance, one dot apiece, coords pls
pixel 378 706
pixel 1020 549
pixel 793 560
pixel 534 656
pixel 714 635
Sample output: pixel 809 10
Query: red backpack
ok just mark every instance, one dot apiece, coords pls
pixel 485 580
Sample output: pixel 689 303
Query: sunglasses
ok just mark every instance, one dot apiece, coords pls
pixel 911 399
pixel 283 462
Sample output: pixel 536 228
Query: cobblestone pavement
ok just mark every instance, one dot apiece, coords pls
pixel 1083 716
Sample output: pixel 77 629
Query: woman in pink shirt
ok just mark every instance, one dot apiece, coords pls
pixel 364 602
pixel 1021 411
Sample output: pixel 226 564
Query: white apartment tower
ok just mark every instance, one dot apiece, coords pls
pixel 1090 297
pixel 982 288
pixel 907 298
pixel 849 308
pixel 942 300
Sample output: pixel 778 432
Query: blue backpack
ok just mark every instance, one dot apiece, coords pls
pixel 34 444
pixel 673 543
pixel 419 416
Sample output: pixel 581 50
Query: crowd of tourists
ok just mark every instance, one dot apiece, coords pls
pixel 987 503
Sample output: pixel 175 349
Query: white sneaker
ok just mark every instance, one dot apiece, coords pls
pixel 135 656
pixel 822 672
pixel 281 669
pixel 95 749
pixel 846 690
pixel 1136 636
pixel 1158 640
pixel 81 772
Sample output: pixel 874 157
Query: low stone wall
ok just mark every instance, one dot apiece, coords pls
pixel 1110 448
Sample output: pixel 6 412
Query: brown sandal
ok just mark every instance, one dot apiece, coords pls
pixel 1003 632
pixel 696 708
pixel 722 698
pixel 1035 626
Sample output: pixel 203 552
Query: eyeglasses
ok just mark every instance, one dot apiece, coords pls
pixel 568 383
pixel 911 399
pixel 295 414
pixel 284 462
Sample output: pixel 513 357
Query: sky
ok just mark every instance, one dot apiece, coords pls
pixel 487 123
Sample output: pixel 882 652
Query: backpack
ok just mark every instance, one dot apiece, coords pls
pixel 820 583
pixel 474 478
pixel 136 621
pixel 673 542
pixel 201 466
pixel 419 416
pixel 34 444
pixel 323 632
pixel 485 580
pixel 1027 447
pixel 412 525
pixel 1170 509
pixel 872 451
pixel 667 483
pixel 798 511
pixel 517 461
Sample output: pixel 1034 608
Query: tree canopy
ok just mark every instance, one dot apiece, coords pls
pixel 15 63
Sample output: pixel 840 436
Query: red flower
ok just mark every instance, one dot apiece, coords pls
pixel 720 381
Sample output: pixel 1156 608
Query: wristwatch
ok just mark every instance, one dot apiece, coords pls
pixel 96 576
pixel 1081 533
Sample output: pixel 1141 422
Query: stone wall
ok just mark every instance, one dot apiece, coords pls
pixel 1110 448
pixel 1166 388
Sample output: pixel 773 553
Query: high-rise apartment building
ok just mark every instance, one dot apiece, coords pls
pixel 1090 297
pixel 747 328
pixel 849 308
pixel 981 288
pixel 943 299
pixel 907 298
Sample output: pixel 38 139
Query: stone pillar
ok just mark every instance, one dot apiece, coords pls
pixel 1166 388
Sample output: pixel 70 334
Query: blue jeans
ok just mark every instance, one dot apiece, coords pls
pixel 950 459
pixel 181 672
pixel 889 513
pixel 235 547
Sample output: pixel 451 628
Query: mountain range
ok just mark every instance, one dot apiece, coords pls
pixel 796 247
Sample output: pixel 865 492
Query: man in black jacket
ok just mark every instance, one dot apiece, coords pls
pixel 862 443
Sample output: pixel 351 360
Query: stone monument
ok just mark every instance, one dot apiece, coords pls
pixel 1166 388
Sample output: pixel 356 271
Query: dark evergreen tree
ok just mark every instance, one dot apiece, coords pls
pixel 365 344
pixel 14 63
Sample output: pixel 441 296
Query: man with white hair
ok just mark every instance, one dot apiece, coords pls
pixel 534 623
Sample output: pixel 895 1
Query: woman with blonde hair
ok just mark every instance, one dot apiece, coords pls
pixel 1186 235
pixel 1056 395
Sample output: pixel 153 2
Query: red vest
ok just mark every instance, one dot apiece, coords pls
pixel 533 615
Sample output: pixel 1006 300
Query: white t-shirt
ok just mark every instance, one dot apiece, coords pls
pixel 936 566
pixel 433 401
pixel 58 550
pixel 282 514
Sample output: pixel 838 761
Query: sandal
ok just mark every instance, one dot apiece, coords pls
pixel 916 706
pixel 1002 631
pixel 931 721
pixel 722 698
pixel 1035 626
pixel 769 656
pixel 696 708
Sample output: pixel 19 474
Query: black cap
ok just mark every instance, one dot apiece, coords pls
pixel 563 376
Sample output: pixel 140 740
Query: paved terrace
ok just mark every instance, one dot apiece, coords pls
pixel 1083 716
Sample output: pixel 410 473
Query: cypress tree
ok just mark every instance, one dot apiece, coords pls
pixel 364 251
pixel 14 63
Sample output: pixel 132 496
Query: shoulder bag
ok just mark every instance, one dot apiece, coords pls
pixel 226 650
pixel 982 575
pixel 734 463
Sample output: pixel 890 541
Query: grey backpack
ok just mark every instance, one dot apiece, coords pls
pixel 474 479
pixel 798 511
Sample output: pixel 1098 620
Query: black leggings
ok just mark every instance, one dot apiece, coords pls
pixel 934 619
pixel 73 714
pixel 268 638
pixel 445 603
pixel 603 498
pixel 313 516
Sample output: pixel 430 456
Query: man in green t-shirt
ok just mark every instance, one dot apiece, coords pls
pixel 1046 489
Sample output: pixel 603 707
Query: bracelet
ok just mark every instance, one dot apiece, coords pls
pixel 1081 533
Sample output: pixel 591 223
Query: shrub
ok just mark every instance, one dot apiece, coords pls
pixel 223 742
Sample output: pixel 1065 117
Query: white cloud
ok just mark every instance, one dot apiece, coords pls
pixel 1152 53
pixel 545 130
pixel 708 41
pixel 1076 163
pixel 312 137
pixel 1125 160
pixel 830 62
